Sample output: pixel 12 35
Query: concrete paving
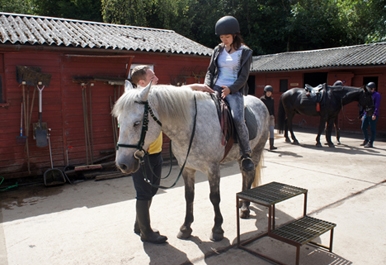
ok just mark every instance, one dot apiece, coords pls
pixel 92 222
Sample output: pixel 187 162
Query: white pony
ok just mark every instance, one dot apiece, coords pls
pixel 190 119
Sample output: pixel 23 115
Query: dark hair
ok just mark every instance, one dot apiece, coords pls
pixel 139 73
pixel 237 41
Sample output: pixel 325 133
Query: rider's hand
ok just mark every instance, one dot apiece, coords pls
pixel 225 92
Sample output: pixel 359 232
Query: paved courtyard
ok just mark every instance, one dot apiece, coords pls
pixel 91 222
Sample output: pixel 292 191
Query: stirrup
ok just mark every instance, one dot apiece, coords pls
pixel 247 163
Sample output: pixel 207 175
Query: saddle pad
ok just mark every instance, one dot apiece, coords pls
pixel 251 122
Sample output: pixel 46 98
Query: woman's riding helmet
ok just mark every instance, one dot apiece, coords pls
pixel 338 83
pixel 371 85
pixel 268 88
pixel 227 25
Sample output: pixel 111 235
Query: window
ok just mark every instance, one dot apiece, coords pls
pixel 368 79
pixel 283 85
pixel 314 79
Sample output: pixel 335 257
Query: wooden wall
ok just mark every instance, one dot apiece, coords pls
pixel 64 103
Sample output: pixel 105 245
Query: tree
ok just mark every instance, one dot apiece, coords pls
pixel 16 6
pixel 75 9
pixel 149 13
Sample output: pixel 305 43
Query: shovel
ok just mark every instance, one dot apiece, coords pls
pixel 40 132
pixel 53 176
pixel 21 139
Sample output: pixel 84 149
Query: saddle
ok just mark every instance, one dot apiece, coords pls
pixel 315 94
pixel 229 133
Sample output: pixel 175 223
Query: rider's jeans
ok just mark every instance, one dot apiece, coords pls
pixel 236 104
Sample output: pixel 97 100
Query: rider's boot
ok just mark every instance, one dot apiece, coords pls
pixel 271 142
pixel 143 219
pixel 247 163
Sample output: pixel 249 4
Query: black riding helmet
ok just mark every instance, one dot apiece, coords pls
pixel 371 85
pixel 338 83
pixel 227 25
pixel 268 88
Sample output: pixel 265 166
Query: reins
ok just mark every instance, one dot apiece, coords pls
pixel 350 121
pixel 141 142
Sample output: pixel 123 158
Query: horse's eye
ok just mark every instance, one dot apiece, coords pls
pixel 137 123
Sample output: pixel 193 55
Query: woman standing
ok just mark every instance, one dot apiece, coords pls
pixel 228 74
pixel 270 104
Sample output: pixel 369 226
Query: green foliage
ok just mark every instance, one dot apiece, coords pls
pixel 268 26
pixel 16 6
pixel 74 9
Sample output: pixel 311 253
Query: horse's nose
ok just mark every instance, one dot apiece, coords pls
pixel 121 164
pixel 122 167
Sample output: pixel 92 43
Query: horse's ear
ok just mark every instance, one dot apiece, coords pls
pixel 145 92
pixel 128 85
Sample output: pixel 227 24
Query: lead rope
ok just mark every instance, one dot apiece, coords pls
pixel 186 158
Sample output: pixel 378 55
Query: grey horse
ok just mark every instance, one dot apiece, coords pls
pixel 189 118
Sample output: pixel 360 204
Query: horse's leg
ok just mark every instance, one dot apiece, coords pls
pixel 248 177
pixel 322 126
pixel 287 139
pixel 289 121
pixel 214 184
pixel 330 124
pixel 189 179
pixel 337 129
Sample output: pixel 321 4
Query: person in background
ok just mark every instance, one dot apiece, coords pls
pixel 152 167
pixel 269 103
pixel 338 83
pixel 371 119
pixel 228 74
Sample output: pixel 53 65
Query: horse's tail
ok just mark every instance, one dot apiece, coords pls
pixel 257 180
pixel 281 117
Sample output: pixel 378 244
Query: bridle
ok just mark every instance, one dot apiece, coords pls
pixel 140 153
pixel 351 121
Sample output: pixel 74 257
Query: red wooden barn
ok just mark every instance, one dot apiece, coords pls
pixel 82 66
pixel 354 65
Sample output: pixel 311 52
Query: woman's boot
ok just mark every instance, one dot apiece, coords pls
pixel 271 146
pixel 143 219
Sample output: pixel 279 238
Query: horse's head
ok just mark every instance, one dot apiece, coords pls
pixel 137 128
pixel 366 101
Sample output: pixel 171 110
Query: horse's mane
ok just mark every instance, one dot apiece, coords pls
pixel 172 102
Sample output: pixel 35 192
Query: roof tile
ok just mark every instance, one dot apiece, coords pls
pixel 357 55
pixel 50 31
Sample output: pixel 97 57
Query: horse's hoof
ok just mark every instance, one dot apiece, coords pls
pixel 296 142
pixel 184 233
pixel 318 144
pixel 287 140
pixel 244 214
pixel 331 145
pixel 217 236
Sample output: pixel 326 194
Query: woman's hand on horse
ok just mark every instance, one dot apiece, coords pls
pixel 201 87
